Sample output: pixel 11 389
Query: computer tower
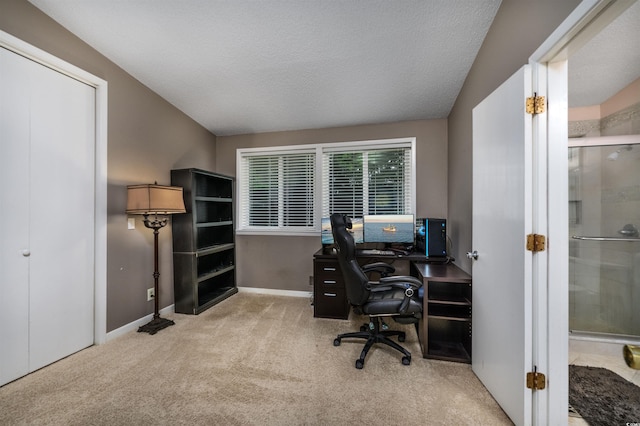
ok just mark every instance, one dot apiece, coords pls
pixel 431 236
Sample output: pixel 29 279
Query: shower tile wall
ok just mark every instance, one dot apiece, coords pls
pixel 623 122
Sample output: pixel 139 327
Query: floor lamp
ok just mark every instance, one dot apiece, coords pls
pixel 154 199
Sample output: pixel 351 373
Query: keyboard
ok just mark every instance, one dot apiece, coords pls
pixel 374 252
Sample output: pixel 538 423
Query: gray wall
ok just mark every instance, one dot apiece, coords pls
pixel 518 30
pixel 286 262
pixel 147 137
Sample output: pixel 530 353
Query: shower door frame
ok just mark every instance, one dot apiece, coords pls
pixel 600 141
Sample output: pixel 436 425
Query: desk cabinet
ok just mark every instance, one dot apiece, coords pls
pixel 203 241
pixel 445 330
pixel 329 294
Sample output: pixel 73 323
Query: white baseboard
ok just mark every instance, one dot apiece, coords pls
pixel 276 292
pixel 169 310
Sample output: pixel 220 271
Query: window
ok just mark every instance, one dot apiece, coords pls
pixel 367 181
pixel 288 189
pixel 276 191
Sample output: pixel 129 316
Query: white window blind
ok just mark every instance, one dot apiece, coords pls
pixel 343 188
pixel 367 181
pixel 276 191
pixel 288 189
pixel 298 188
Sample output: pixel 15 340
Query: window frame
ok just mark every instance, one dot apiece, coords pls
pixel 318 149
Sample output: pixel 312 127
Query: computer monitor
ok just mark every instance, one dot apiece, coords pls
pixel 389 228
pixel 356 231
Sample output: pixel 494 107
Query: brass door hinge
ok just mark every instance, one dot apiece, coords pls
pixel 535 104
pixel 536 381
pixel 536 242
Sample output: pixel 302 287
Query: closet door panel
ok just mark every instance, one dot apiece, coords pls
pixel 47 214
pixel 62 231
pixel 14 217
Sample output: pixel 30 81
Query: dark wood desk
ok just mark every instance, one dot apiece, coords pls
pixel 369 255
pixel 329 295
pixel 445 329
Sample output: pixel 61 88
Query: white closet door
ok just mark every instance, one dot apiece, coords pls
pixel 57 200
pixel 14 218
pixel 62 219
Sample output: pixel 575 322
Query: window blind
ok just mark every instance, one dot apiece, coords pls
pixel 288 189
pixel 276 191
pixel 376 181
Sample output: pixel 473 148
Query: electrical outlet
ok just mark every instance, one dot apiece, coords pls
pixel 151 293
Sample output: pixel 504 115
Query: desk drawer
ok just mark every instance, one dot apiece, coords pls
pixel 327 270
pixel 329 283
pixel 330 302
pixel 329 297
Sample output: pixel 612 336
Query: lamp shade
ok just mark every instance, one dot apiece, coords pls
pixel 154 199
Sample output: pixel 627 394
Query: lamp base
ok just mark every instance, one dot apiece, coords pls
pixel 155 325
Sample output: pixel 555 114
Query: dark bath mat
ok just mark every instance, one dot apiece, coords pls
pixel 602 397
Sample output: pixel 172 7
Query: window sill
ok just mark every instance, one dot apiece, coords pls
pixel 279 233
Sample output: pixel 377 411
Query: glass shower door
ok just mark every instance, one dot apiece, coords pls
pixel 604 244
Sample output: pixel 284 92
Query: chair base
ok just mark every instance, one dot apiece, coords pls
pixel 373 334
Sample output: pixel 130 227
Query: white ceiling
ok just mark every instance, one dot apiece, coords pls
pixel 249 66
pixel 608 62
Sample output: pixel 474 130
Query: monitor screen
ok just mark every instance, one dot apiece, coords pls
pixel 389 228
pixel 356 231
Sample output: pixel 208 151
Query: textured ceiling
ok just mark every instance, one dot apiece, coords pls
pixel 608 63
pixel 247 66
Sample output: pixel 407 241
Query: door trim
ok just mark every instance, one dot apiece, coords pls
pixel 551 324
pixel 33 53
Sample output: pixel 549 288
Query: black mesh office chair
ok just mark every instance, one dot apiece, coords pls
pixel 390 296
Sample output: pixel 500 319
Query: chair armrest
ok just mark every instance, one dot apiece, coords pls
pixel 404 281
pixel 411 286
pixel 375 286
pixel 379 267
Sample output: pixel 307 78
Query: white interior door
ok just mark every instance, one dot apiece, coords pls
pixel 48 215
pixel 502 272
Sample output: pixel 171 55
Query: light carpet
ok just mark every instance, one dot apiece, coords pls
pixel 250 360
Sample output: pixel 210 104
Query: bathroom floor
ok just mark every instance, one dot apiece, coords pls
pixel 598 354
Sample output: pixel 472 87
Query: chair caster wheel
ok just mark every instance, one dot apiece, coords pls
pixel 359 364
pixel 336 342
pixel 406 360
pixel 401 337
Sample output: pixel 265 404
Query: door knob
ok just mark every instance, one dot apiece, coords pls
pixel 472 255
pixel 26 253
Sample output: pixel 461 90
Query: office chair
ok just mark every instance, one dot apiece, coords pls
pixel 390 296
